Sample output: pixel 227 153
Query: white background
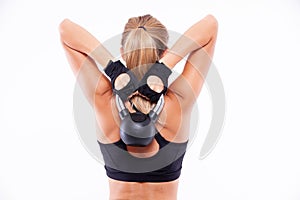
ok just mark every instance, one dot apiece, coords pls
pixel 257 56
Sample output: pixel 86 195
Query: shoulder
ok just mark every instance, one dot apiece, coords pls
pixel 107 118
pixel 171 120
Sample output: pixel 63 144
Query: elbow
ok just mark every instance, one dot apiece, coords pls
pixel 211 25
pixel 63 27
pixel 212 21
pixel 64 24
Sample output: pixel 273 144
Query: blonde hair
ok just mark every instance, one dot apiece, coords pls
pixel 143 41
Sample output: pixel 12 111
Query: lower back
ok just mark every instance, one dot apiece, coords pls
pixel 145 190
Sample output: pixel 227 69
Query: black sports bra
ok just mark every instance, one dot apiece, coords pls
pixel 164 166
pixel 114 69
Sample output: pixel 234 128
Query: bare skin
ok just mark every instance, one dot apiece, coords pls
pixel 82 50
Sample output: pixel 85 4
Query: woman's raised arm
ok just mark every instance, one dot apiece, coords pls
pixel 83 50
pixel 199 42
pixel 76 37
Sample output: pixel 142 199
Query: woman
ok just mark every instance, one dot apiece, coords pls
pixel 144 42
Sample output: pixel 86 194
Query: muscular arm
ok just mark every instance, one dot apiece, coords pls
pixel 196 37
pixel 83 50
pixel 76 37
pixel 199 42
